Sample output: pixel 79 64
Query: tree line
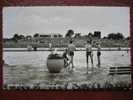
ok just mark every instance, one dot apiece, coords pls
pixel 97 34
pixel 70 34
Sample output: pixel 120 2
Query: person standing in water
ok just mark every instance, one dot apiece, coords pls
pixel 65 58
pixel 98 54
pixel 29 47
pixel 89 53
pixel 50 47
pixel 71 49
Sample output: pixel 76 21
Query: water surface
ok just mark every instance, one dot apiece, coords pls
pixel 29 68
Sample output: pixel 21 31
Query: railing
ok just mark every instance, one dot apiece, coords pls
pixel 119 70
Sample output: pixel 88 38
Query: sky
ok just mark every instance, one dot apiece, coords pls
pixel 59 19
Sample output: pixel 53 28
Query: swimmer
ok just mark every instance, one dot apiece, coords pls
pixel 89 53
pixel 71 49
pixel 98 54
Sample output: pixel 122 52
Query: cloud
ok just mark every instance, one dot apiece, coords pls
pixel 29 20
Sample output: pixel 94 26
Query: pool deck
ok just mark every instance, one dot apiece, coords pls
pixel 62 49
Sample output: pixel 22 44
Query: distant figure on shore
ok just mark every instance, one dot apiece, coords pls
pixel 89 53
pixel 71 49
pixel 35 48
pixel 98 54
pixel 50 47
pixel 29 47
pixel 119 48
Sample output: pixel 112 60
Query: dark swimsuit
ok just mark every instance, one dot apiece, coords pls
pixel 98 53
pixel 71 53
pixel 88 53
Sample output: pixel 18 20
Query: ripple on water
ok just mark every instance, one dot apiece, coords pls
pixel 39 75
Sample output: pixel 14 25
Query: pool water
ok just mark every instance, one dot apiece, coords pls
pixel 29 68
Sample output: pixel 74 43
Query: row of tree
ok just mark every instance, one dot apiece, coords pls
pixel 17 36
pixel 70 33
pixel 116 36
pixel 97 34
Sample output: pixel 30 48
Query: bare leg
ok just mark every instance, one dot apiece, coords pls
pixel 87 63
pixel 72 62
pixel 91 57
pixel 66 63
pixel 87 68
pixel 99 61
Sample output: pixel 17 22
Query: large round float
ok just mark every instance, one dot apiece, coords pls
pixel 55 63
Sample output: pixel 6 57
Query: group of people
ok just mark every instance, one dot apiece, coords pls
pixel 68 54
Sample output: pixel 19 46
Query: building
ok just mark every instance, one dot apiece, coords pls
pixel 51 35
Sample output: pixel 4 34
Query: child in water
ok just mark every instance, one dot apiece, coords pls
pixel 65 58
pixel 71 49
pixel 89 53
pixel 98 54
